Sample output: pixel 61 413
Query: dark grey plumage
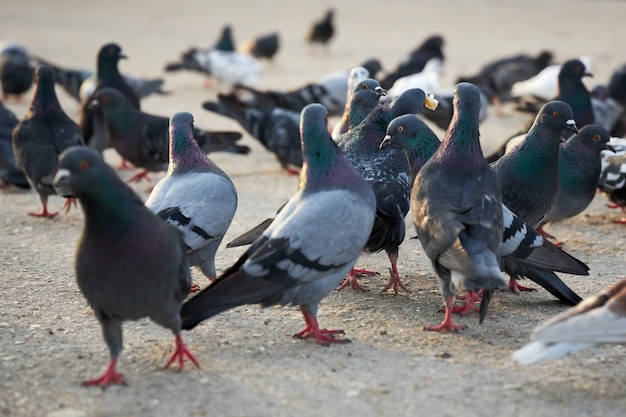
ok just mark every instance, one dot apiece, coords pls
pixel 292 263
pixel 142 139
pixel 322 31
pixel 10 172
pixel 264 46
pixel 129 263
pixel 16 71
pixel 39 138
pixel 226 41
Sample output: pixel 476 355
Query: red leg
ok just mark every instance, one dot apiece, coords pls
pixel 516 288
pixel 446 324
pixel 292 171
pixel 394 280
pixel 125 165
pixel 69 202
pixel 44 210
pixel 543 233
pixel 312 329
pixel 180 352
pixel 109 377
pixel 470 303
pixel 352 281
pixel 143 174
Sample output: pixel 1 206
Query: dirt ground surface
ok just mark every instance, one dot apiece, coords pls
pixel 50 340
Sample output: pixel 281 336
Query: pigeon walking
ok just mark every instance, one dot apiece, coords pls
pixel 457 210
pixel 264 46
pixel 598 320
pixel 129 263
pixel 195 196
pixel 39 138
pixel 142 138
pixel 322 31
pixel 294 262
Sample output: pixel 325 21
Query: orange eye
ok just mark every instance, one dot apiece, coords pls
pixel 555 114
pixel 363 87
pixel 83 165
pixel 596 138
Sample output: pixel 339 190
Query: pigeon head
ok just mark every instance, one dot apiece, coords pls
pixel 45 97
pixel 106 65
pixel 410 101
pixel 225 41
pixel 557 116
pixel 111 52
pixel 593 137
pixel 573 69
pixel 373 66
pixel 110 100
pixel 366 94
pixel 185 153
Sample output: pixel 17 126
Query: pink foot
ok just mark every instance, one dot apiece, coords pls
pixel 109 377
pixel 516 288
pixel 447 324
pixel 394 279
pixel 125 165
pixel 69 202
pixel 470 303
pixel 322 336
pixel 143 174
pixel 179 354
pixel 352 281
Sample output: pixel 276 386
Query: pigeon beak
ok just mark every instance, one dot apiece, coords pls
pixel 60 182
pixel 122 56
pixel 386 141
pixel 93 105
pixel 610 148
pixel 587 74
pixel 381 91
pixel 571 125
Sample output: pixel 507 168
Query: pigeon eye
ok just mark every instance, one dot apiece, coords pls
pixel 363 87
pixel 400 129
pixel 596 138
pixel 555 114
pixel 83 165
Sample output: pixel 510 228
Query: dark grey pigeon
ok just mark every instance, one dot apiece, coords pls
pixel 579 173
pixel 321 31
pixel 108 75
pixel 276 128
pixel 142 139
pixel 10 172
pixel 264 46
pixel 39 138
pixel 225 42
pixel 416 60
pixel 195 195
pixel 292 263
pixel 129 263
pixel 16 71
pixel 442 115
pixel 457 210
pixel 616 90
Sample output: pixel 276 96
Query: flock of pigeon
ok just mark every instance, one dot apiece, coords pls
pixel 358 181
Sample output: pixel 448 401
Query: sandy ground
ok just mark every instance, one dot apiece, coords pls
pixel 250 365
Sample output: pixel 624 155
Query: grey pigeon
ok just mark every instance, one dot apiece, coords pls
pixel 579 172
pixel 142 138
pixel 10 172
pixel 457 210
pixel 598 320
pixel 524 252
pixel 16 71
pixel 348 117
pixel 91 121
pixel 39 138
pixel 129 263
pixel 292 263
pixel 195 195
pixel 321 31
pixel 225 42
pixel 274 127
pixel 79 83
pixel 612 182
pixel 415 61
pixel 264 46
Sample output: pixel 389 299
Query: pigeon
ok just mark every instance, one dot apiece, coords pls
pixel 225 42
pixel 579 173
pixel 293 262
pixel 363 103
pixel 442 115
pixel 276 128
pixel 107 76
pixel 616 90
pixel 428 80
pixel 524 252
pixel 573 91
pixel 336 82
pixel 607 111
pixel 129 263
pixel 39 138
pixel 388 172
pixel 416 60
pixel 264 46
pixel 142 138
pixel 196 196
pixel 457 211
pixel 16 71
pixel 599 319
pixel 497 77
pixel 321 31
pixel 529 174
pixel 612 182
pixel 228 68
pixel 544 86
pixel 79 83
pixel 10 172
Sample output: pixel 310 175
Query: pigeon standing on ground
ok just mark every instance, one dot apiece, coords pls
pixel 142 138
pixel 457 210
pixel 264 46
pixel 322 31
pixel 612 182
pixel 416 60
pixel 16 71
pixel 294 262
pixel 573 92
pixel 195 195
pixel 91 121
pixel 39 138
pixel 579 172
pixel 357 106
pixel 129 263
pixel 598 320
pixel 10 172
pixel 275 128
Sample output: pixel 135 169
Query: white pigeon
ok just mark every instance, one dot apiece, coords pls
pixel 427 80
